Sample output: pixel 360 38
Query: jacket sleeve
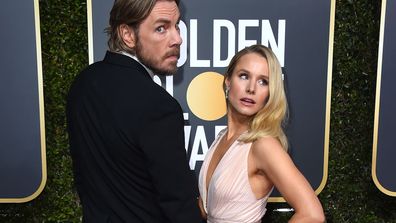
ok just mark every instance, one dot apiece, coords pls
pixel 162 141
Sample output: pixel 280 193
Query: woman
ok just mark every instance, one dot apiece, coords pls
pixel 249 158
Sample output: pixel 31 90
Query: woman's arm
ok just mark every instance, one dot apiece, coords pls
pixel 272 160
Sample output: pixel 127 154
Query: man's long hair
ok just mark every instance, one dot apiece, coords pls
pixel 131 13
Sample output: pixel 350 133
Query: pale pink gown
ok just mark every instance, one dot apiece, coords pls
pixel 229 198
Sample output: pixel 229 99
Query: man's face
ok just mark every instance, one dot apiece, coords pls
pixel 158 40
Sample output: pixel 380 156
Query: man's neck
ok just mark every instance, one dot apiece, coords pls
pixel 151 73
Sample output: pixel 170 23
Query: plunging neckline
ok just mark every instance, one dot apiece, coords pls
pixel 227 195
pixel 206 182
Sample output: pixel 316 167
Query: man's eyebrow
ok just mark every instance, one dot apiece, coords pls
pixel 166 20
pixel 162 20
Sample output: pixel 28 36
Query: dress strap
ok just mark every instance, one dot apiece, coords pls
pixel 220 135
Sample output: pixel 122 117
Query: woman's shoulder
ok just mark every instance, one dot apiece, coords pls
pixel 267 142
pixel 268 154
pixel 266 145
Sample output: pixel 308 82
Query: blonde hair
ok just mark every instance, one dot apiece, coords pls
pixel 270 119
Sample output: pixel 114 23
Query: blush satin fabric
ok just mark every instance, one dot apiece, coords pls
pixel 229 197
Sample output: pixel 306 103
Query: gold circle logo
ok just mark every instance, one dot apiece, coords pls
pixel 205 96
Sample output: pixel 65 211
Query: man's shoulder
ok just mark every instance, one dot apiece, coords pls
pixel 115 62
pixel 110 73
pixel 160 97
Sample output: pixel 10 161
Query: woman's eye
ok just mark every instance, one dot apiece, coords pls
pixel 263 82
pixel 243 76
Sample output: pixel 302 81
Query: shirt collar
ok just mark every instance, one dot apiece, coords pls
pixel 151 73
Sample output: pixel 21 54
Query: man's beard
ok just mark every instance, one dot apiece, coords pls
pixel 152 64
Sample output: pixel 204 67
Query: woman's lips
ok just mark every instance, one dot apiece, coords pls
pixel 248 101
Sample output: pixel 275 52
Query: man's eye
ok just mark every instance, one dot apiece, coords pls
pixel 160 29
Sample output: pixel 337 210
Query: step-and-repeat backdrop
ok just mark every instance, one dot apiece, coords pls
pixel 299 32
pixel 22 139
pixel 384 146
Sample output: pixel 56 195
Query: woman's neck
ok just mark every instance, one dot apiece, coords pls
pixel 237 124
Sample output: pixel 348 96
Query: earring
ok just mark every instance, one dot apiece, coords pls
pixel 226 91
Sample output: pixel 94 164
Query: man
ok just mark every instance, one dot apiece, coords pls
pixel 126 132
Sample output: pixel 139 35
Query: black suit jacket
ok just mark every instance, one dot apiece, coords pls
pixel 127 146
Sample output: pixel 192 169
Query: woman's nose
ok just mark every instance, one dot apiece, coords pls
pixel 250 89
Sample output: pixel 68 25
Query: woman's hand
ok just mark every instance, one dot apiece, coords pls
pixel 201 207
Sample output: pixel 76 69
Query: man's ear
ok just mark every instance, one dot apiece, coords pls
pixel 127 34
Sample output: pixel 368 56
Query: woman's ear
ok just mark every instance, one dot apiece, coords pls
pixel 127 34
pixel 227 88
pixel 227 82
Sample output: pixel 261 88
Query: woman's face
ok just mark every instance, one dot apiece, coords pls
pixel 248 85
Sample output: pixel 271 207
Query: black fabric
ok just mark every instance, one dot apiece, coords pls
pixel 127 146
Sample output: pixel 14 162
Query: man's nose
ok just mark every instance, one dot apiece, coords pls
pixel 176 38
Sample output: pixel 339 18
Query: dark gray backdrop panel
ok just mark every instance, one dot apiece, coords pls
pixel 20 144
pixel 305 65
pixel 386 152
